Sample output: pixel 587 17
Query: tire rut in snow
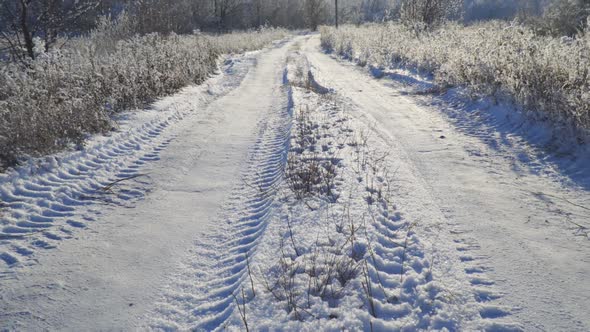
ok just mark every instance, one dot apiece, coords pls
pixel 221 261
pixel 506 135
pixel 494 316
pixel 45 207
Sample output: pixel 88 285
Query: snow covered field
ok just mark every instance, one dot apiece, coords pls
pixel 295 191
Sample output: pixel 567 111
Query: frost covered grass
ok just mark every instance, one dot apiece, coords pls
pixel 549 77
pixel 63 96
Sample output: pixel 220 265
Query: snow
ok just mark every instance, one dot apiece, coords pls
pixel 513 213
pixel 114 250
pixel 422 212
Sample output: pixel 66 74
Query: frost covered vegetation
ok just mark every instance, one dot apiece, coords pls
pixel 336 253
pixel 549 77
pixel 58 89
pixel 62 96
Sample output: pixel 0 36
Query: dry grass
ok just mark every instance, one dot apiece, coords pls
pixel 549 77
pixel 62 97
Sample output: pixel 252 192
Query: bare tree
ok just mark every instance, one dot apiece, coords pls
pixel 315 11
pixel 336 13
pixel 259 10
pixel 429 12
pixel 565 17
pixel 26 20
pixel 223 12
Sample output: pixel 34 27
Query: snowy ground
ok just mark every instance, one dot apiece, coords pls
pixel 294 191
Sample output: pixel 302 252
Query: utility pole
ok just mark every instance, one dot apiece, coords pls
pixel 336 11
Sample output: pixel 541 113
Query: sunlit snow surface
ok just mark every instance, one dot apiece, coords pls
pixel 451 214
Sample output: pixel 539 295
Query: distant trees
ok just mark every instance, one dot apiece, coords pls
pixel 429 12
pixel 159 15
pixel 483 10
pixel 556 17
pixel 315 13
pixel 565 17
pixel 259 8
pixel 28 27
pixel 47 19
pixel 222 15
pixel 25 22
pixel 375 10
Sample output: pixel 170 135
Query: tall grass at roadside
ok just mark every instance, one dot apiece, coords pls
pixel 549 77
pixel 64 95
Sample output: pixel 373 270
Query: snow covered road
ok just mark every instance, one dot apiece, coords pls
pixel 112 271
pixel 517 222
pixel 181 219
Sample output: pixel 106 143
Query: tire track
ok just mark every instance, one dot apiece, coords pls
pixel 40 209
pixel 485 292
pixel 511 136
pixel 222 260
pixel 46 201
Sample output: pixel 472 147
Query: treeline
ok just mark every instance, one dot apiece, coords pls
pixel 555 18
pixel 30 26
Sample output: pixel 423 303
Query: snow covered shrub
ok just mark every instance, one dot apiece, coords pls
pixel 42 107
pixel 244 41
pixel 429 12
pixel 62 96
pixel 549 77
pixel 109 31
pixel 562 18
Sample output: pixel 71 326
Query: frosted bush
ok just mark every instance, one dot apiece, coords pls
pixel 64 95
pixel 549 77
pixel 239 42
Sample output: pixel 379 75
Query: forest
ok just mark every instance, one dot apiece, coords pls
pixel 23 20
